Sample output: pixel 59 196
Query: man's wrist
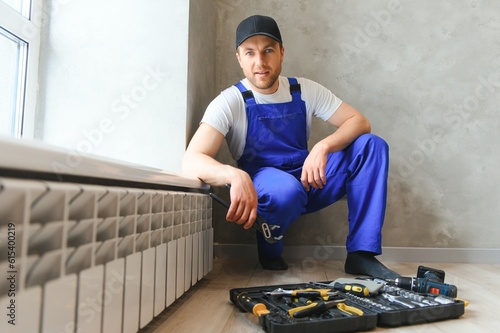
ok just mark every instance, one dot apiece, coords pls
pixel 322 147
pixel 230 173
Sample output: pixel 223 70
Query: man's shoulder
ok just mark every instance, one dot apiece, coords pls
pixel 226 104
pixel 229 95
pixel 308 82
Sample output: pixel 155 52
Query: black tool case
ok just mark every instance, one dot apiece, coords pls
pixel 377 310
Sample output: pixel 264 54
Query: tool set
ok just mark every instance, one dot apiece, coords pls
pixel 344 305
pixel 347 305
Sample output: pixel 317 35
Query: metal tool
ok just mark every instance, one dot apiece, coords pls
pixel 317 307
pixel 309 292
pixel 357 289
pixel 429 302
pixel 259 223
pixel 394 299
pixel 411 295
pixel 369 303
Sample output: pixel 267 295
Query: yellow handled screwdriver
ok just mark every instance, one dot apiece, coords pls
pixel 252 306
pixel 352 288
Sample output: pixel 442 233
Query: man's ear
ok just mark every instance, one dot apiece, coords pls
pixel 238 56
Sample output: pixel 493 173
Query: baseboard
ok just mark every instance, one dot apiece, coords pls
pixel 390 254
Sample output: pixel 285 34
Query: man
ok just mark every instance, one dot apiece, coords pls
pixel 266 120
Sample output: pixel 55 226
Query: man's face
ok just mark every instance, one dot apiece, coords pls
pixel 261 57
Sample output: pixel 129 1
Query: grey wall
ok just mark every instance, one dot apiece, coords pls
pixel 427 74
pixel 201 61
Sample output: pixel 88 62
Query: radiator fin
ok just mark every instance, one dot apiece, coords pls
pixel 92 258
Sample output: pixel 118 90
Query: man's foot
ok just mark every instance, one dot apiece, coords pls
pixel 273 264
pixel 365 263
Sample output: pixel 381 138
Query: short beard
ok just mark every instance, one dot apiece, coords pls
pixel 266 84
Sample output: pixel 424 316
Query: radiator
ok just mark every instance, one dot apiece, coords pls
pixel 77 257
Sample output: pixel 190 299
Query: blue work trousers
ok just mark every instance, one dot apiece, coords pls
pixel 358 172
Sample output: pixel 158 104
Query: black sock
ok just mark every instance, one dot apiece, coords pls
pixel 273 264
pixel 365 263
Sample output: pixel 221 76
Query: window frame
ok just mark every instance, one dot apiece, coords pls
pixel 28 30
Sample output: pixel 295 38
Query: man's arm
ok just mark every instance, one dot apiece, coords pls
pixel 199 161
pixel 350 124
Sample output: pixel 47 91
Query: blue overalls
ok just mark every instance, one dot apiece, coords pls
pixel 275 150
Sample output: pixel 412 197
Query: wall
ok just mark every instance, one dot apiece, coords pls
pixel 201 62
pixel 113 78
pixel 427 74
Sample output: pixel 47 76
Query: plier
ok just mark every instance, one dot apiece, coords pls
pixel 259 224
pixel 322 306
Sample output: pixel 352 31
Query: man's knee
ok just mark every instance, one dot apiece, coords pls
pixel 282 204
pixel 284 196
pixel 374 141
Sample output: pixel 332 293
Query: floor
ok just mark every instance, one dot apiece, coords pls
pixel 206 306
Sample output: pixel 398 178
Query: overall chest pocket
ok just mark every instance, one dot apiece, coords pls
pixel 278 123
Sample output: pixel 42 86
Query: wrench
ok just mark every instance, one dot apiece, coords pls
pixel 259 223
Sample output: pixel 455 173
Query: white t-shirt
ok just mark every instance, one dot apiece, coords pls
pixel 226 113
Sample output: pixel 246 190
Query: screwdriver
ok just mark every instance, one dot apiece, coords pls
pixel 252 306
pixel 309 292
pixel 352 288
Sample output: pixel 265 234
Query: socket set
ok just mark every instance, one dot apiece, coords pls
pixel 350 305
pixel 397 307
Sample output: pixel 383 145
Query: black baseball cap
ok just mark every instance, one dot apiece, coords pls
pixel 257 25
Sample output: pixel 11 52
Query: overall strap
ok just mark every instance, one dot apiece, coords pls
pixel 247 94
pixel 294 88
pixel 250 99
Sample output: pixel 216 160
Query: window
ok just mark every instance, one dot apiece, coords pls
pixel 20 6
pixel 12 54
pixel 19 49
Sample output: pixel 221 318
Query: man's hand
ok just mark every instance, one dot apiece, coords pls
pixel 199 161
pixel 350 124
pixel 313 171
pixel 243 208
